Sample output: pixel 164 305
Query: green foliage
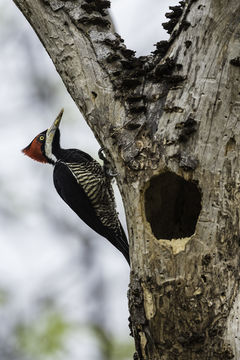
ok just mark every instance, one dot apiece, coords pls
pixel 122 350
pixel 111 348
pixel 44 337
pixel 4 297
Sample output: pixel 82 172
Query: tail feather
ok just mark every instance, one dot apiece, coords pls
pixel 121 243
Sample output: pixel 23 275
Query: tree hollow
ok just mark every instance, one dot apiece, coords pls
pixel 172 206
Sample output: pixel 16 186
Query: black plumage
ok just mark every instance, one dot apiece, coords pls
pixel 83 184
pixel 85 188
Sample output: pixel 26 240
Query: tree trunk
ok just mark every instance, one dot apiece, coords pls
pixel 170 124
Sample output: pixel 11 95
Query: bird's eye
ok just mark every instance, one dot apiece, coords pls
pixel 41 137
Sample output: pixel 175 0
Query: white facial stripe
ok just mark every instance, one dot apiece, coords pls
pixel 49 137
pixel 48 145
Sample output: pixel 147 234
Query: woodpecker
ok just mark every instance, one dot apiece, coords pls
pixel 82 183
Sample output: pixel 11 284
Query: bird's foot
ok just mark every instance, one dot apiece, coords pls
pixel 106 163
pixel 101 155
pixel 111 174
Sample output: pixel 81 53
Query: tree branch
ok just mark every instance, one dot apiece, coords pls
pixel 106 81
pixel 170 121
pixel 79 41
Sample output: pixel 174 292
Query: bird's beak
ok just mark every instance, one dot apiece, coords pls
pixel 51 132
pixel 56 123
pixel 58 118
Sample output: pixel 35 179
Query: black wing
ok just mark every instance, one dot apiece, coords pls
pixel 90 204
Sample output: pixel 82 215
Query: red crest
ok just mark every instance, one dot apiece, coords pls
pixel 34 151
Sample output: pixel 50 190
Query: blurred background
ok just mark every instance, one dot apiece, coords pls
pixel 63 288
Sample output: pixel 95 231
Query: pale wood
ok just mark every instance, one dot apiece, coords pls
pixel 183 296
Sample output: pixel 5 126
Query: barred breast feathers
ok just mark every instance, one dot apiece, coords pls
pixel 91 177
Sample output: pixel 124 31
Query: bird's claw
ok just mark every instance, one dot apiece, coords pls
pixel 111 174
pixel 101 155
pixel 106 163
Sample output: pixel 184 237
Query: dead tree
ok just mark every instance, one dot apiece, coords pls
pixel 170 123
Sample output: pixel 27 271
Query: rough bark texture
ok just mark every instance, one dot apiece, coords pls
pixel 170 123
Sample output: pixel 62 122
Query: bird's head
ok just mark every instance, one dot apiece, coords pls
pixel 42 146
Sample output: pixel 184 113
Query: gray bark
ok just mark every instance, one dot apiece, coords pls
pixel 170 123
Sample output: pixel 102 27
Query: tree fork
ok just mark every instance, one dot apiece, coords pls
pixel 170 122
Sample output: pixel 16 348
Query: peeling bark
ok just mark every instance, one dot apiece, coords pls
pixel 170 123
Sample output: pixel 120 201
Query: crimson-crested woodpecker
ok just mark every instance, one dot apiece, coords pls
pixel 82 183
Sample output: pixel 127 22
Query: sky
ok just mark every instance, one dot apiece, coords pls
pixel 44 248
pixel 139 22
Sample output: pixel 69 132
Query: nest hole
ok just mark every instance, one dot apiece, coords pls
pixel 172 206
